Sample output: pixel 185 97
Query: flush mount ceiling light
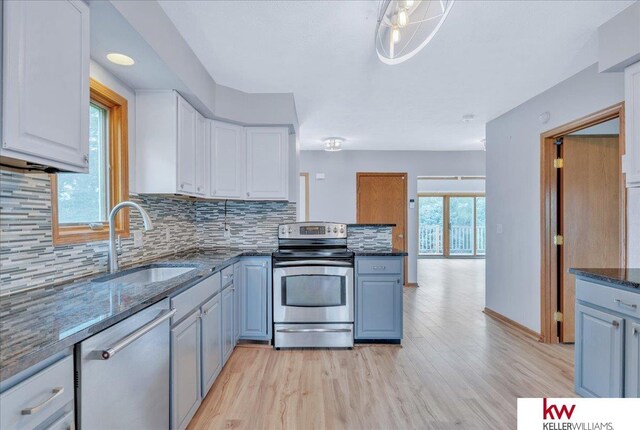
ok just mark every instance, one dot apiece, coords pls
pixel 333 144
pixel 406 26
pixel 120 59
pixel 468 117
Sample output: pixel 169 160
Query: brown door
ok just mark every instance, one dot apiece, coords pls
pixel 589 214
pixel 382 199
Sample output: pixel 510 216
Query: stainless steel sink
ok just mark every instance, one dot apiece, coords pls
pixel 147 275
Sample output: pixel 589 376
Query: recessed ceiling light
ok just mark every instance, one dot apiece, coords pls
pixel 468 117
pixel 120 59
pixel 333 144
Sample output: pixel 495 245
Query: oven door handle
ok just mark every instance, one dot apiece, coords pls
pixel 312 263
pixel 313 330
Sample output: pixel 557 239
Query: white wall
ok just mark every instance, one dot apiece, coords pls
pixel 513 190
pixel 334 199
pixel 451 186
pixel 100 74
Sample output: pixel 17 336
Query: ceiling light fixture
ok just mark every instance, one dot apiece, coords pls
pixel 333 144
pixel 120 59
pixel 413 21
pixel 468 117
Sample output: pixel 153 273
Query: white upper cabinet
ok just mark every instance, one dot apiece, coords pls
pixel 267 163
pixel 202 139
pixel 632 125
pixel 226 160
pixel 168 142
pixel 186 147
pixel 45 109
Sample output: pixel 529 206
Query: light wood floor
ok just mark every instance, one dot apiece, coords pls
pixel 457 368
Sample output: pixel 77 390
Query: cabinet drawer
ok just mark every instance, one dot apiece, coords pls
pixel 379 265
pixel 227 275
pixel 624 302
pixel 31 402
pixel 187 301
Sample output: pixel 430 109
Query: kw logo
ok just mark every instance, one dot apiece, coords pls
pixel 552 412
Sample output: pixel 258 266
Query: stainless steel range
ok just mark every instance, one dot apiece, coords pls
pixel 313 292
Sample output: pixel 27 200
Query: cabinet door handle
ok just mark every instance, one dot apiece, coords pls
pixel 628 305
pixel 635 331
pixel 378 267
pixel 56 392
pixel 181 186
pixel 248 194
pixel 616 324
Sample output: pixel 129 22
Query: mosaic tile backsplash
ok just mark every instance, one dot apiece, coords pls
pixel 29 259
pixel 369 237
pixel 251 224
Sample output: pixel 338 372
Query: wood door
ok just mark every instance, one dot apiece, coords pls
pixel 382 199
pixel 590 214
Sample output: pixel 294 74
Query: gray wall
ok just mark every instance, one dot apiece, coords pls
pixel 334 199
pixel 513 190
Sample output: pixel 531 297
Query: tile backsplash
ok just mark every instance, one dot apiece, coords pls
pixel 250 224
pixel 29 259
pixel 369 237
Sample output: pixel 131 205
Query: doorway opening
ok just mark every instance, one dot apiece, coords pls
pixel 583 211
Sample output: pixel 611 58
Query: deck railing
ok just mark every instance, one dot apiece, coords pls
pixel 460 237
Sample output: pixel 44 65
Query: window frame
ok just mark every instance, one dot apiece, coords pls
pixel 117 173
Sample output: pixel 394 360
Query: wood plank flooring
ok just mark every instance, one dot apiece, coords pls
pixel 456 368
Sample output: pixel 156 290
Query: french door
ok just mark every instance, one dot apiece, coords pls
pixel 452 225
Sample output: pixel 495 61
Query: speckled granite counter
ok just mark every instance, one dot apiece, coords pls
pixel 379 252
pixel 627 278
pixel 37 324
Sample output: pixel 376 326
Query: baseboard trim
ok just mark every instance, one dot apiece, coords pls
pixel 511 323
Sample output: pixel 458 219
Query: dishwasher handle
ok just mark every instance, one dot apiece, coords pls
pixel 132 337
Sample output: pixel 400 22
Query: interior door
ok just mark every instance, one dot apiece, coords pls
pixel 589 214
pixel 382 199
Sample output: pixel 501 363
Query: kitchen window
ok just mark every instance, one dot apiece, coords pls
pixel 81 201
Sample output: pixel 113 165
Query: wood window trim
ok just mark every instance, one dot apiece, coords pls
pixel 118 176
pixel 306 194
pixel 445 232
pixel 549 193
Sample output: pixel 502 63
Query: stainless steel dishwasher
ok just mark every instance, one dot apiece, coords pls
pixel 123 373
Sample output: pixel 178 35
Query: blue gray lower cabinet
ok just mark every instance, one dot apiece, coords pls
pixel 228 338
pixel 185 370
pixel 607 347
pixel 255 298
pixel 379 282
pixel 236 299
pixel 211 322
pixel 599 353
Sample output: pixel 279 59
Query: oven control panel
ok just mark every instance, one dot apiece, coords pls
pixel 312 230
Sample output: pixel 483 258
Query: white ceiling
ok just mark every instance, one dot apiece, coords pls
pixel 488 57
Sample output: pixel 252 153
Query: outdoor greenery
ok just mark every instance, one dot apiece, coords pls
pixel 82 198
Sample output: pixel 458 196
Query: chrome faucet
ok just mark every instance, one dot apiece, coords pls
pixel 113 253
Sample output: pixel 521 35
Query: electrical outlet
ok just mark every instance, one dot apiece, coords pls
pixel 137 239
pixel 167 235
pixel 227 233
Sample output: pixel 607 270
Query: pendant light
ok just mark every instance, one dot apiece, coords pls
pixel 407 26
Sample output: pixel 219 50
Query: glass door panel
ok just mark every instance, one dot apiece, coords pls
pixel 461 226
pixel 481 230
pixel 431 211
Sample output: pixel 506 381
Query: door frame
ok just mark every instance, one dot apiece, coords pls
pixel 549 198
pixel 306 194
pixel 405 177
pixel 445 233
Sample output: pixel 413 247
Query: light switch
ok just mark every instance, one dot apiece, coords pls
pixel 412 204
pixel 320 177
pixel 499 228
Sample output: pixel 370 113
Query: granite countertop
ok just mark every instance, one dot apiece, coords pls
pixel 40 323
pixel 629 278
pixel 379 252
